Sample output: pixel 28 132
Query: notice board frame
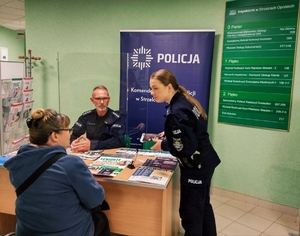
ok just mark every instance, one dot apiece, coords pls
pixel 258 63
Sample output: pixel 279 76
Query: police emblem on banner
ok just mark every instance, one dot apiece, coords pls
pixel 187 53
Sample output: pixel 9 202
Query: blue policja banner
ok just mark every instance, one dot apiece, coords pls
pixel 188 54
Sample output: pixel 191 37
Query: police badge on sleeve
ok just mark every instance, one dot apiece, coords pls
pixel 177 143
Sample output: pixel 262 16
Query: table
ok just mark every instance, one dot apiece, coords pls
pixel 7 203
pixel 135 208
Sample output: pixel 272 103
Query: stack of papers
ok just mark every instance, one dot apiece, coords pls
pixel 155 171
pixel 91 155
pixel 110 164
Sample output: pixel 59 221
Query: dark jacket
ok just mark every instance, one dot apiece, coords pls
pixel 58 203
pixel 103 132
pixel 187 137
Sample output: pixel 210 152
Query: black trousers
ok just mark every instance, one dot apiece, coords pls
pixel 196 212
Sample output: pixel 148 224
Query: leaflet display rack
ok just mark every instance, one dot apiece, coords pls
pixel 16 105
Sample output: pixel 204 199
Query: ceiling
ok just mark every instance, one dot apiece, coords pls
pixel 12 14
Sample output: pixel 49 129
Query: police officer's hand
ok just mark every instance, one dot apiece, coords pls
pixel 81 144
pixel 161 135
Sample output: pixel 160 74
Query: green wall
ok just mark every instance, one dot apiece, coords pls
pixel 9 40
pixel 79 43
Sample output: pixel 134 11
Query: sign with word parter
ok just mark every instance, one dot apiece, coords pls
pixel 258 63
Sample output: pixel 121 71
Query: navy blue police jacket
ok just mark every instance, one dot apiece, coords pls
pixel 186 133
pixel 104 132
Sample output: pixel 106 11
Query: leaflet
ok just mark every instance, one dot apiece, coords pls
pixel 155 171
pixel 112 161
pixel 162 163
pixel 150 175
pixel 106 170
pixel 91 155
pixel 110 164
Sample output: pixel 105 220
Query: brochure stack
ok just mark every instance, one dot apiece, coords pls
pixel 155 171
pixel 111 164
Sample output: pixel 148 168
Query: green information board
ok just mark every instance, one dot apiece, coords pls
pixel 258 63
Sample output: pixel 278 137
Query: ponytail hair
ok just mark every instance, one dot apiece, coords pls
pixel 193 100
pixel 44 122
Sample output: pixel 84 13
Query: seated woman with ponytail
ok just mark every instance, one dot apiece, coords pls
pixel 59 201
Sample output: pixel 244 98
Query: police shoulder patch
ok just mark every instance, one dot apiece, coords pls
pixel 116 114
pixel 87 112
pixel 78 124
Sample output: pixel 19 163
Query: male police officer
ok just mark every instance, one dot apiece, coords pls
pixel 104 127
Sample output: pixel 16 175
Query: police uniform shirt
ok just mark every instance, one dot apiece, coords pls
pixel 103 132
pixel 186 133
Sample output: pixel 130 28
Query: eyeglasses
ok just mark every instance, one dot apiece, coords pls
pixel 70 130
pixel 104 99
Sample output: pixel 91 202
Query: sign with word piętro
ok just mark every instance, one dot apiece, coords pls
pixel 258 63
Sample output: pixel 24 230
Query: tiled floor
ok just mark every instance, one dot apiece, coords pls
pixel 235 218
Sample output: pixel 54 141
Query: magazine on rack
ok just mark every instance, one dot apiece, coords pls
pixel 14 117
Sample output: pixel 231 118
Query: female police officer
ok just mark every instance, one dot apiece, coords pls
pixel 188 140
